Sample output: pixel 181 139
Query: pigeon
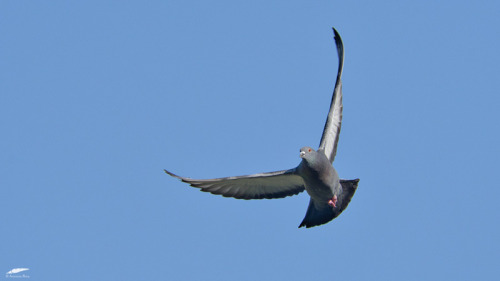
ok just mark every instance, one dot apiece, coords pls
pixel 329 195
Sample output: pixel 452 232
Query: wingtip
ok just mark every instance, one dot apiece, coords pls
pixel 338 41
pixel 335 32
pixel 172 174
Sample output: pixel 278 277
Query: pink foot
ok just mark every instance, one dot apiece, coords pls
pixel 333 202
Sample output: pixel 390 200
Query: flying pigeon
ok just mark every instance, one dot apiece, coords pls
pixel 315 174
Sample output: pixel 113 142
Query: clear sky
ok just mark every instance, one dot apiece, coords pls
pixel 98 97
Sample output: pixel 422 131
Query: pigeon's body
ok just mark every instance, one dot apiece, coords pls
pixel 329 194
pixel 320 178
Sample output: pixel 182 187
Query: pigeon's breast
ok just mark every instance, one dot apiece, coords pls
pixel 318 190
pixel 320 183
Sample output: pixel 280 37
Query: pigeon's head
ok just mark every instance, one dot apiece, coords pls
pixel 306 152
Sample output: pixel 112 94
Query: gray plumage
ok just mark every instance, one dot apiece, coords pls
pixel 329 194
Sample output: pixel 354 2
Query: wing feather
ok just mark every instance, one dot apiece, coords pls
pixel 270 185
pixel 331 132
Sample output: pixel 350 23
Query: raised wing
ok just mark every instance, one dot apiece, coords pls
pixel 258 186
pixel 331 132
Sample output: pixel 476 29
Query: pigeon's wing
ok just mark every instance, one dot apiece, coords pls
pixel 321 213
pixel 331 131
pixel 258 186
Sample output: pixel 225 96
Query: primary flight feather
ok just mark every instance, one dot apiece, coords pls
pixel 315 174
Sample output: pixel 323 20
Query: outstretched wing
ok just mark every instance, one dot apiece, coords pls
pixel 331 131
pixel 258 186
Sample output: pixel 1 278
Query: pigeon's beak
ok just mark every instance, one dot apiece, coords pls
pixel 302 153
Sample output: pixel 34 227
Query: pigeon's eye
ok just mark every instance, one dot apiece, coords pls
pixel 309 150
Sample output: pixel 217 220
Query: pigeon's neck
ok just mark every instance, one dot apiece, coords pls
pixel 319 163
pixel 312 167
pixel 319 167
pixel 307 168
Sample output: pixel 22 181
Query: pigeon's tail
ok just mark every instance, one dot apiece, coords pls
pixel 318 215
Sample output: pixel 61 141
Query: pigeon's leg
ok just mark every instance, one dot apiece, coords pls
pixel 333 201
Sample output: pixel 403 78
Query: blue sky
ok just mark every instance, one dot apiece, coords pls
pixel 97 97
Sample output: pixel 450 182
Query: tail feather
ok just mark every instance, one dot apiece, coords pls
pixel 318 214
